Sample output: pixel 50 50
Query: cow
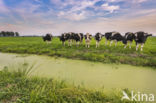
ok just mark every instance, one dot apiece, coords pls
pixel 88 38
pixel 128 38
pixel 78 38
pixel 140 38
pixel 81 40
pixel 47 38
pixel 108 37
pixel 98 37
pixel 71 37
pixel 63 38
pixel 113 36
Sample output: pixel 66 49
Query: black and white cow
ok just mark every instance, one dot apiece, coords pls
pixel 98 37
pixel 140 38
pixel 128 38
pixel 113 36
pixel 64 37
pixel 47 38
pixel 78 38
pixel 71 37
pixel 81 40
pixel 88 38
pixel 108 37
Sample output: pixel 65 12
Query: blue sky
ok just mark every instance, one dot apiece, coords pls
pixel 37 17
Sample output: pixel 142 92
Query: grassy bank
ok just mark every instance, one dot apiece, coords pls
pixel 19 87
pixel 105 54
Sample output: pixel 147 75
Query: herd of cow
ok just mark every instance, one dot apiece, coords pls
pixel 139 38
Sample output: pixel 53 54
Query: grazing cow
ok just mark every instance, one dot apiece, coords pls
pixel 88 38
pixel 98 37
pixel 140 38
pixel 47 38
pixel 128 38
pixel 113 36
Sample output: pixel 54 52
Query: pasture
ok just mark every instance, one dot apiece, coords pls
pixel 104 54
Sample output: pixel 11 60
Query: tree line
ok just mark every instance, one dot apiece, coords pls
pixel 8 33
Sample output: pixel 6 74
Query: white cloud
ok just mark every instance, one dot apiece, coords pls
pixel 110 8
pixel 77 12
pixel 138 1
pixel 115 0
pixel 3 8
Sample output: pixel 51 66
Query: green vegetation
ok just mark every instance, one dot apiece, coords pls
pixel 17 86
pixel 105 54
pixel 8 34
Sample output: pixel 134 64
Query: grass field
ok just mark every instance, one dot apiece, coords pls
pixel 17 86
pixel 105 54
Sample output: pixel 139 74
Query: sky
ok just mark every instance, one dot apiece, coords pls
pixel 38 17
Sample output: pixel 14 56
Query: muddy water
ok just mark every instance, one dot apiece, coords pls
pixel 89 74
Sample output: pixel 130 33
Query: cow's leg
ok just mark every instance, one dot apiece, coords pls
pixel 137 46
pixel 125 45
pixel 70 42
pixel 64 43
pixel 96 44
pixel 142 45
pixel 111 42
pixel 74 42
pixel 116 43
pixel 77 43
pixel 86 44
pixel 81 42
pixel 130 44
pixel 106 42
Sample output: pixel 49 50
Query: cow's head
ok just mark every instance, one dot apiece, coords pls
pixel 124 41
pixel 98 36
pixel 88 36
pixel 43 38
pixel 147 34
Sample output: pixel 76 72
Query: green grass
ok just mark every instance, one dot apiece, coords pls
pixel 17 86
pixel 105 54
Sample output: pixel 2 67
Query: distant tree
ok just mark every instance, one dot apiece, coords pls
pixel 3 33
pixel 7 33
pixel 11 33
pixel 16 34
